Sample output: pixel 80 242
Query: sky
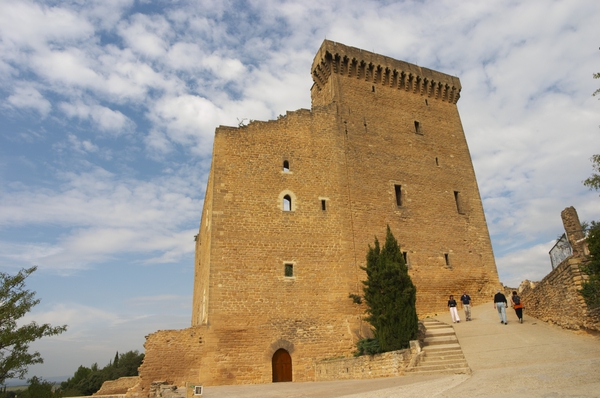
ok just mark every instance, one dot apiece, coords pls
pixel 108 110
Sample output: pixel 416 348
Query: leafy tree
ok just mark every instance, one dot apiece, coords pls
pixel 15 303
pixel 87 381
pixel 590 289
pixel 390 297
pixel 593 182
pixel 38 388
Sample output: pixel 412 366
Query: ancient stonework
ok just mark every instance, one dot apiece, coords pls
pixel 118 386
pixel 292 205
pixel 556 298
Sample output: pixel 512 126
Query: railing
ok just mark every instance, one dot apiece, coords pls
pixel 560 251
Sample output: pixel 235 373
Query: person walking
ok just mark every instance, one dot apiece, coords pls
pixel 453 310
pixel 517 304
pixel 500 304
pixel 466 302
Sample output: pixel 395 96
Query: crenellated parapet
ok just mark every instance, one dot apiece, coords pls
pixel 351 62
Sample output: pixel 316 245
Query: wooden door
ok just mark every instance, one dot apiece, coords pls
pixel 282 366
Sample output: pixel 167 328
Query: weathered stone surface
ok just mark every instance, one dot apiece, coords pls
pixel 556 298
pixel 382 145
pixel 119 386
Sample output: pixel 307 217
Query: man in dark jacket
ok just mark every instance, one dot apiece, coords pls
pixel 500 304
pixel 466 302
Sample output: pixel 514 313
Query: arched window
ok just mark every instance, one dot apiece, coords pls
pixel 286 166
pixel 287 203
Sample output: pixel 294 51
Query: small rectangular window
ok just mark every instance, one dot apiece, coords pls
pixel 447 259
pixel 458 200
pixel 289 270
pixel 418 129
pixel 398 192
pixel 405 256
pixel 197 390
pixel 323 204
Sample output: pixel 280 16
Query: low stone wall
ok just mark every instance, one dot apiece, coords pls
pixel 556 298
pixel 387 364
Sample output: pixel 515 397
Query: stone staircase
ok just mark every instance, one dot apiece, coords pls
pixel 441 351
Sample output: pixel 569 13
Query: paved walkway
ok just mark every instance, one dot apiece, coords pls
pixel 532 359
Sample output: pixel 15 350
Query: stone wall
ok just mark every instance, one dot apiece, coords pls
pixel 382 145
pixel 119 386
pixel 172 356
pixel 555 299
pixel 388 364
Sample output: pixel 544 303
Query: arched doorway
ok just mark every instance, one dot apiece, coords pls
pixel 282 366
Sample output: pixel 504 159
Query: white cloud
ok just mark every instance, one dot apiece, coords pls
pixel 532 263
pixel 29 97
pixel 102 218
pixel 69 67
pixel 29 25
pixel 147 35
pixel 188 120
pixel 105 119
pixel 81 146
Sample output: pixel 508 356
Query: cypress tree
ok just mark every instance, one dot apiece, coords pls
pixel 390 296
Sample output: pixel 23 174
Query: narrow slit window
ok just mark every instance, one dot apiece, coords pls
pixel 447 259
pixel 437 162
pixel 458 200
pixel 287 203
pixel 418 127
pixel 323 204
pixel 286 166
pixel 288 270
pixel 372 89
pixel 398 192
pixel 405 257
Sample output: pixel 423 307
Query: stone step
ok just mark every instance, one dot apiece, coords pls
pixel 442 347
pixel 436 324
pixel 429 325
pixel 441 332
pixel 446 363
pixel 442 353
pixel 419 371
pixel 443 366
pixel 451 357
pixel 440 340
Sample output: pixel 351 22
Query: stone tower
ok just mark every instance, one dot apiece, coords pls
pixel 292 204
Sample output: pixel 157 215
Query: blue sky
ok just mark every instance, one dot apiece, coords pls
pixel 108 110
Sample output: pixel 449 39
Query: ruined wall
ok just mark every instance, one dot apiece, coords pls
pixel 252 303
pixel 119 386
pixel 555 299
pixel 173 356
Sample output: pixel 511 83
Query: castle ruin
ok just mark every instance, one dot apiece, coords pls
pixel 292 205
